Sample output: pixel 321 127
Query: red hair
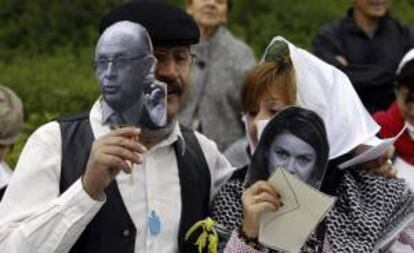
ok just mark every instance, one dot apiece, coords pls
pixel 271 78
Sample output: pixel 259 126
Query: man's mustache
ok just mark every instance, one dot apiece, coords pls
pixel 173 86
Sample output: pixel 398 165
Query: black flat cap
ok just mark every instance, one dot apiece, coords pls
pixel 167 25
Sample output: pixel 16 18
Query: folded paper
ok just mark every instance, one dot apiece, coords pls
pixel 303 208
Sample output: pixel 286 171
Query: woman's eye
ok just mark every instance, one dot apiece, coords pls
pixel 282 154
pixel 303 160
pixel 252 113
pixel 273 112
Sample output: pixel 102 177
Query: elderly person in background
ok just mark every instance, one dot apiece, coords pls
pixel 216 77
pixel 11 125
pixel 367 45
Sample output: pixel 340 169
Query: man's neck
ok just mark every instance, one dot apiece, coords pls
pixel 206 32
pixel 367 24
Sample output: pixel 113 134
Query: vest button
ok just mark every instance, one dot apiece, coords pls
pixel 126 233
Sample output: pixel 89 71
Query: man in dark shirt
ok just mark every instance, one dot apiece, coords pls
pixel 367 45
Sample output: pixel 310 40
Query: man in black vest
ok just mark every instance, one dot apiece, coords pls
pixel 73 190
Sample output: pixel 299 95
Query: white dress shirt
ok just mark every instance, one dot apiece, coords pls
pixel 34 218
pixel 5 174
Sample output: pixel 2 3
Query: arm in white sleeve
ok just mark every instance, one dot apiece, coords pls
pixel 34 217
pixel 220 168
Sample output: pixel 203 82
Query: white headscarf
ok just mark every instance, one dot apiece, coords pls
pixel 407 57
pixel 329 92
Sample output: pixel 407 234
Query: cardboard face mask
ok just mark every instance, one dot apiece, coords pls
pixel 296 140
pixel 125 68
pixel 295 156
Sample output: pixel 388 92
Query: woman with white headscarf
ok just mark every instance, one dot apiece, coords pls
pixel 295 77
pixel 369 209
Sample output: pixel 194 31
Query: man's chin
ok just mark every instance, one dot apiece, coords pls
pixel 378 11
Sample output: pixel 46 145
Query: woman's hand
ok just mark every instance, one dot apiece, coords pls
pixel 381 166
pixel 257 199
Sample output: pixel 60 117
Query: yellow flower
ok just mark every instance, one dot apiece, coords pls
pixel 209 234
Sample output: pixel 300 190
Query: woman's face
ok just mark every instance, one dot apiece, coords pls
pixel 406 107
pixel 268 106
pixel 292 154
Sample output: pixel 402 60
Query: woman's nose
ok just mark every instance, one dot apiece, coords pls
pixel 289 165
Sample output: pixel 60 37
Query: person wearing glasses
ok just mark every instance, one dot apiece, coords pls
pixel 81 187
pixel 138 98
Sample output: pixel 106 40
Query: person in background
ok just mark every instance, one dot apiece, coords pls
pixel 367 45
pixel 401 113
pixel 81 186
pixel 220 65
pixel 11 125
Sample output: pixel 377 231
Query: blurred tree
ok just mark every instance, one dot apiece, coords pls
pixel 39 26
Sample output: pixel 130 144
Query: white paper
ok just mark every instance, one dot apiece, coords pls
pixel 304 207
pixel 372 153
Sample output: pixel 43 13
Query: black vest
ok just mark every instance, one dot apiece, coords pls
pixel 112 229
pixel 2 191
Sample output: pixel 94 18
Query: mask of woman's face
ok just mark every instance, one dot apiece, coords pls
pixel 269 105
pixel 292 154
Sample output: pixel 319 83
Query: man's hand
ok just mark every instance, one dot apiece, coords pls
pixel 257 199
pixel 156 104
pixel 109 154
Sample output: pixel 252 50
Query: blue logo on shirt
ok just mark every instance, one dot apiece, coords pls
pixel 154 223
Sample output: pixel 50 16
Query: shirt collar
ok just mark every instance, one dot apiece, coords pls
pixel 107 111
pixel 176 136
pixel 5 174
pixel 129 115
